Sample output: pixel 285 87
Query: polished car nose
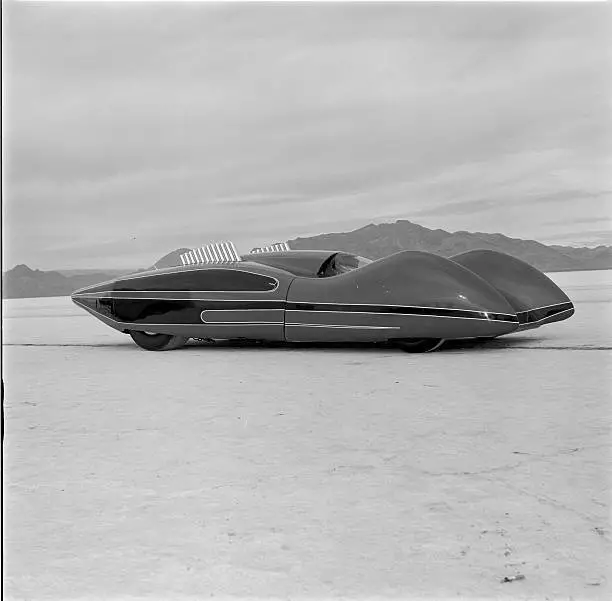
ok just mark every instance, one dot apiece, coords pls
pixel 523 286
pixel 93 289
pixel 426 280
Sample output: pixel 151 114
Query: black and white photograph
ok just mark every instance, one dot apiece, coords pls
pixel 306 300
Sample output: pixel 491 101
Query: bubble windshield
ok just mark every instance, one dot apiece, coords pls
pixel 342 263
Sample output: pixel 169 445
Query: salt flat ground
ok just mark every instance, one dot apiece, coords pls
pixel 307 472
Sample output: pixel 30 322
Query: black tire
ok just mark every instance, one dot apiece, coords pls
pixel 423 345
pixel 158 342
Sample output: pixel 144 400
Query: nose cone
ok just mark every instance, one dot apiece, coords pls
pixel 89 304
pixel 93 289
pixel 88 297
pixel 536 299
pixel 535 318
pixel 83 299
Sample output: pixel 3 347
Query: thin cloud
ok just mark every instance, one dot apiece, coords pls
pixel 583 221
pixel 595 237
pixel 468 207
pixel 154 126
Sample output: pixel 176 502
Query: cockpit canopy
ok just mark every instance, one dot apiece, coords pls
pixel 310 263
pixel 340 263
pixel 304 263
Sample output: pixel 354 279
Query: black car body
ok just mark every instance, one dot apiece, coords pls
pixel 415 299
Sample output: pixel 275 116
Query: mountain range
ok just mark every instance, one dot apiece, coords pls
pixel 372 241
pixel 377 241
pixel 23 282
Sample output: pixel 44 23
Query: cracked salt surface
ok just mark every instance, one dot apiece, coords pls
pixel 286 472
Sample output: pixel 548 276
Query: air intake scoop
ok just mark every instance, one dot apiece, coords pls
pixel 216 252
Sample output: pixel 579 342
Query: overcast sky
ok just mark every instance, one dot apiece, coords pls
pixel 132 129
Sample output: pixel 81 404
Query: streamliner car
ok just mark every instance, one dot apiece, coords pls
pixel 415 300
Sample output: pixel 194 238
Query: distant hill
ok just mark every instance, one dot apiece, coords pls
pixel 373 241
pixel 377 241
pixel 23 282
pixel 112 272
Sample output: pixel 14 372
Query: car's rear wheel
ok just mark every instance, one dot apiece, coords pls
pixel 157 342
pixel 422 345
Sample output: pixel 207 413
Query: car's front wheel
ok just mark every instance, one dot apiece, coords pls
pixel 157 342
pixel 422 345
